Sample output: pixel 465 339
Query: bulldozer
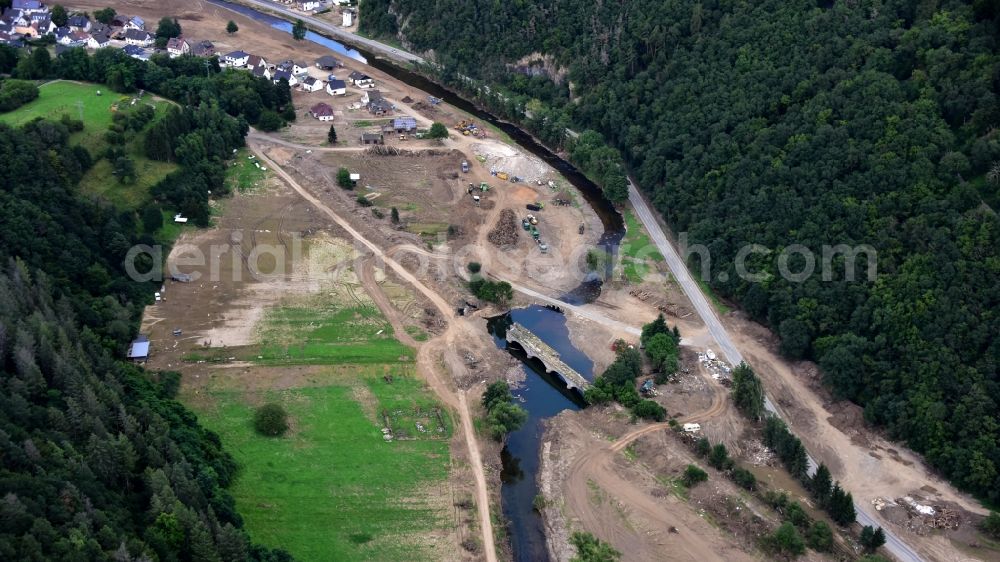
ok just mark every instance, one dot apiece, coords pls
pixel 503 175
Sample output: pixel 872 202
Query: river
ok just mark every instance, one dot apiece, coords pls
pixel 542 395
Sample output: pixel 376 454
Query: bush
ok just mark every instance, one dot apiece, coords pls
pixel 820 537
pixel 438 131
pixel 649 410
pixel 592 549
pixel 991 525
pixel 719 456
pixel 703 447
pixel 694 475
pixel 785 540
pixel 474 267
pixel 270 121
pixel 744 478
pixel 363 201
pixel 271 420
pixel 344 178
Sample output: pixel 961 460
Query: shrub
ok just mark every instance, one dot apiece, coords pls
pixel 363 201
pixel 785 540
pixel 271 420
pixel 694 475
pixel 647 409
pixel 474 267
pixel 820 537
pixel 744 478
pixel 344 178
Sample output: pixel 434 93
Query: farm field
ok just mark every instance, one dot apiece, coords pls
pixel 333 488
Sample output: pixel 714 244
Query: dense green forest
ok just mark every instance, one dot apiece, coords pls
pixel 776 123
pixel 97 460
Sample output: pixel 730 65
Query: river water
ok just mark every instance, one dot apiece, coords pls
pixel 542 395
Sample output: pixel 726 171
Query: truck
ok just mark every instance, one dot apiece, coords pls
pixel 533 207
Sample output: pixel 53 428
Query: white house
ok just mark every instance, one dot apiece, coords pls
pixel 336 87
pixel 322 111
pixel 178 46
pixel 370 96
pixel 28 6
pixel 254 62
pixel 310 84
pixel 309 5
pixel 139 38
pixel 98 41
pixel 348 16
pixel 135 22
pixel 288 76
pixel 361 80
pixel 236 59
pixel 79 22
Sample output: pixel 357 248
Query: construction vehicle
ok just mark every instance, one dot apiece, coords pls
pixel 503 175
pixel 533 207
pixel 531 219
pixel 582 228
pixel 484 187
pixel 402 137
pixel 535 234
pixel 525 224
pixel 471 187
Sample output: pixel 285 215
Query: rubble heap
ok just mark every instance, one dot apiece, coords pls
pixel 505 231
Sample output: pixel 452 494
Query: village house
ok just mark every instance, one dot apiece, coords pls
pixel 28 6
pixel 322 111
pixel 79 22
pixel 309 5
pixel 75 39
pixel 254 62
pixel 361 80
pixel 285 75
pixel 261 71
pixel 372 138
pixel 380 107
pixel 404 124
pixel 178 46
pixel 203 49
pixel 138 350
pixel 99 41
pixel 139 38
pixel 310 84
pixel 336 87
pixel 326 62
pixel 294 67
pixel 370 96
pixel 236 59
pixel 136 52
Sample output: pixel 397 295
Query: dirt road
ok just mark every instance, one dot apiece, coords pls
pixel 425 358
pixel 894 543
pixel 595 470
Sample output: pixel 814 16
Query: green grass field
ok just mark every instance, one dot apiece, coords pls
pixel 329 334
pixel 637 250
pixel 242 175
pixel 333 488
pixel 56 99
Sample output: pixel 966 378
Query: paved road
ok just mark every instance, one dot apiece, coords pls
pixel 334 31
pixel 578 310
pixel 893 544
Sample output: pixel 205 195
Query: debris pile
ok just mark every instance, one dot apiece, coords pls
pixel 918 517
pixel 716 367
pixel 505 231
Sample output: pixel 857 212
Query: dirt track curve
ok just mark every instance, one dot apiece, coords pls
pixel 595 467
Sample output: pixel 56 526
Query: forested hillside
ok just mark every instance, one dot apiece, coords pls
pixel 802 122
pixel 97 460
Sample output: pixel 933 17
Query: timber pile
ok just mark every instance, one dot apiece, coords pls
pixel 505 232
